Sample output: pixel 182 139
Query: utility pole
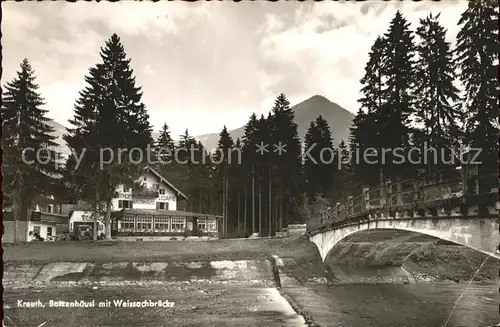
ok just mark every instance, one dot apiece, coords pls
pixel 280 197
pixel 280 211
pixel 382 187
pixel 238 213
pixel 224 203
pixel 227 204
pixel 245 213
pixel 276 220
pixel 270 204
pixel 253 198
pixel 199 207
pixel 260 210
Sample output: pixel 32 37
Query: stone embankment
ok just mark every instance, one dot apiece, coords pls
pixel 249 272
pixel 352 266
pixel 366 258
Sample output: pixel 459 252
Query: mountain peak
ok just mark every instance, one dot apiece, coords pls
pixel 321 100
pixel 318 97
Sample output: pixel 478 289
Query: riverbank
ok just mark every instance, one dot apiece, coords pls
pixel 243 305
pixel 114 251
pixel 265 282
pixel 190 305
pixel 370 258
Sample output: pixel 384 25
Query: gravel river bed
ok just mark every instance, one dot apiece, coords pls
pixel 246 305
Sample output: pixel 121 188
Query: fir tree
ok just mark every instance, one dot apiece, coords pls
pixel 164 146
pixel 199 175
pixel 224 147
pixel 285 161
pixel 182 153
pixel 320 164
pixel 366 130
pixel 262 171
pixel 327 157
pixel 109 116
pixel 310 161
pixel 478 54
pixel 30 161
pixel 224 159
pixel 373 80
pixel 437 108
pixel 250 135
pixel 395 113
pixel 185 162
pixel 343 178
pixel 237 179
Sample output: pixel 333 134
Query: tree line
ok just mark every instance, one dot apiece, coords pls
pixel 409 98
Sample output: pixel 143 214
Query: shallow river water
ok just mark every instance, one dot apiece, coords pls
pixel 237 305
pixel 400 305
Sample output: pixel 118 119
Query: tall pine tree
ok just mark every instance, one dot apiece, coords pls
pixel 320 165
pixel 399 73
pixel 477 51
pixel 224 159
pixel 109 116
pixel 344 182
pixel 164 146
pixel 30 161
pixel 285 162
pixel 437 108
pixel 366 131
pixel 311 173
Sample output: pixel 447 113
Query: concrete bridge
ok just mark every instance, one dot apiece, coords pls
pixel 453 210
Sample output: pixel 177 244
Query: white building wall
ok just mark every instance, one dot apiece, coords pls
pixel 85 216
pixel 43 228
pixel 8 236
pixel 148 180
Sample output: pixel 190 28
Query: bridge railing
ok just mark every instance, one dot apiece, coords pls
pixel 400 192
pixel 442 190
pixel 403 195
pixel 374 198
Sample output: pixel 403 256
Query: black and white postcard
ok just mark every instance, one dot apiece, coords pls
pixel 250 163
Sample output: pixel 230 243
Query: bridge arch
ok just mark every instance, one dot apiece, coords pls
pixel 476 233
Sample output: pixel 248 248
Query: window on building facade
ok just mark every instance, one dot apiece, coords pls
pixel 155 186
pixel 144 222
pixel 161 191
pixel 125 189
pixel 49 231
pixel 127 222
pixel 202 223
pixel 50 208
pixel 178 224
pixel 124 204
pixel 36 230
pixel 161 205
pixel 161 223
pixel 212 226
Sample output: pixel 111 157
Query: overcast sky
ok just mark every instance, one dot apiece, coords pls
pixel 207 64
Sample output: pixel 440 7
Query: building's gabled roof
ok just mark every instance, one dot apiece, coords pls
pixel 43 199
pixel 163 179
